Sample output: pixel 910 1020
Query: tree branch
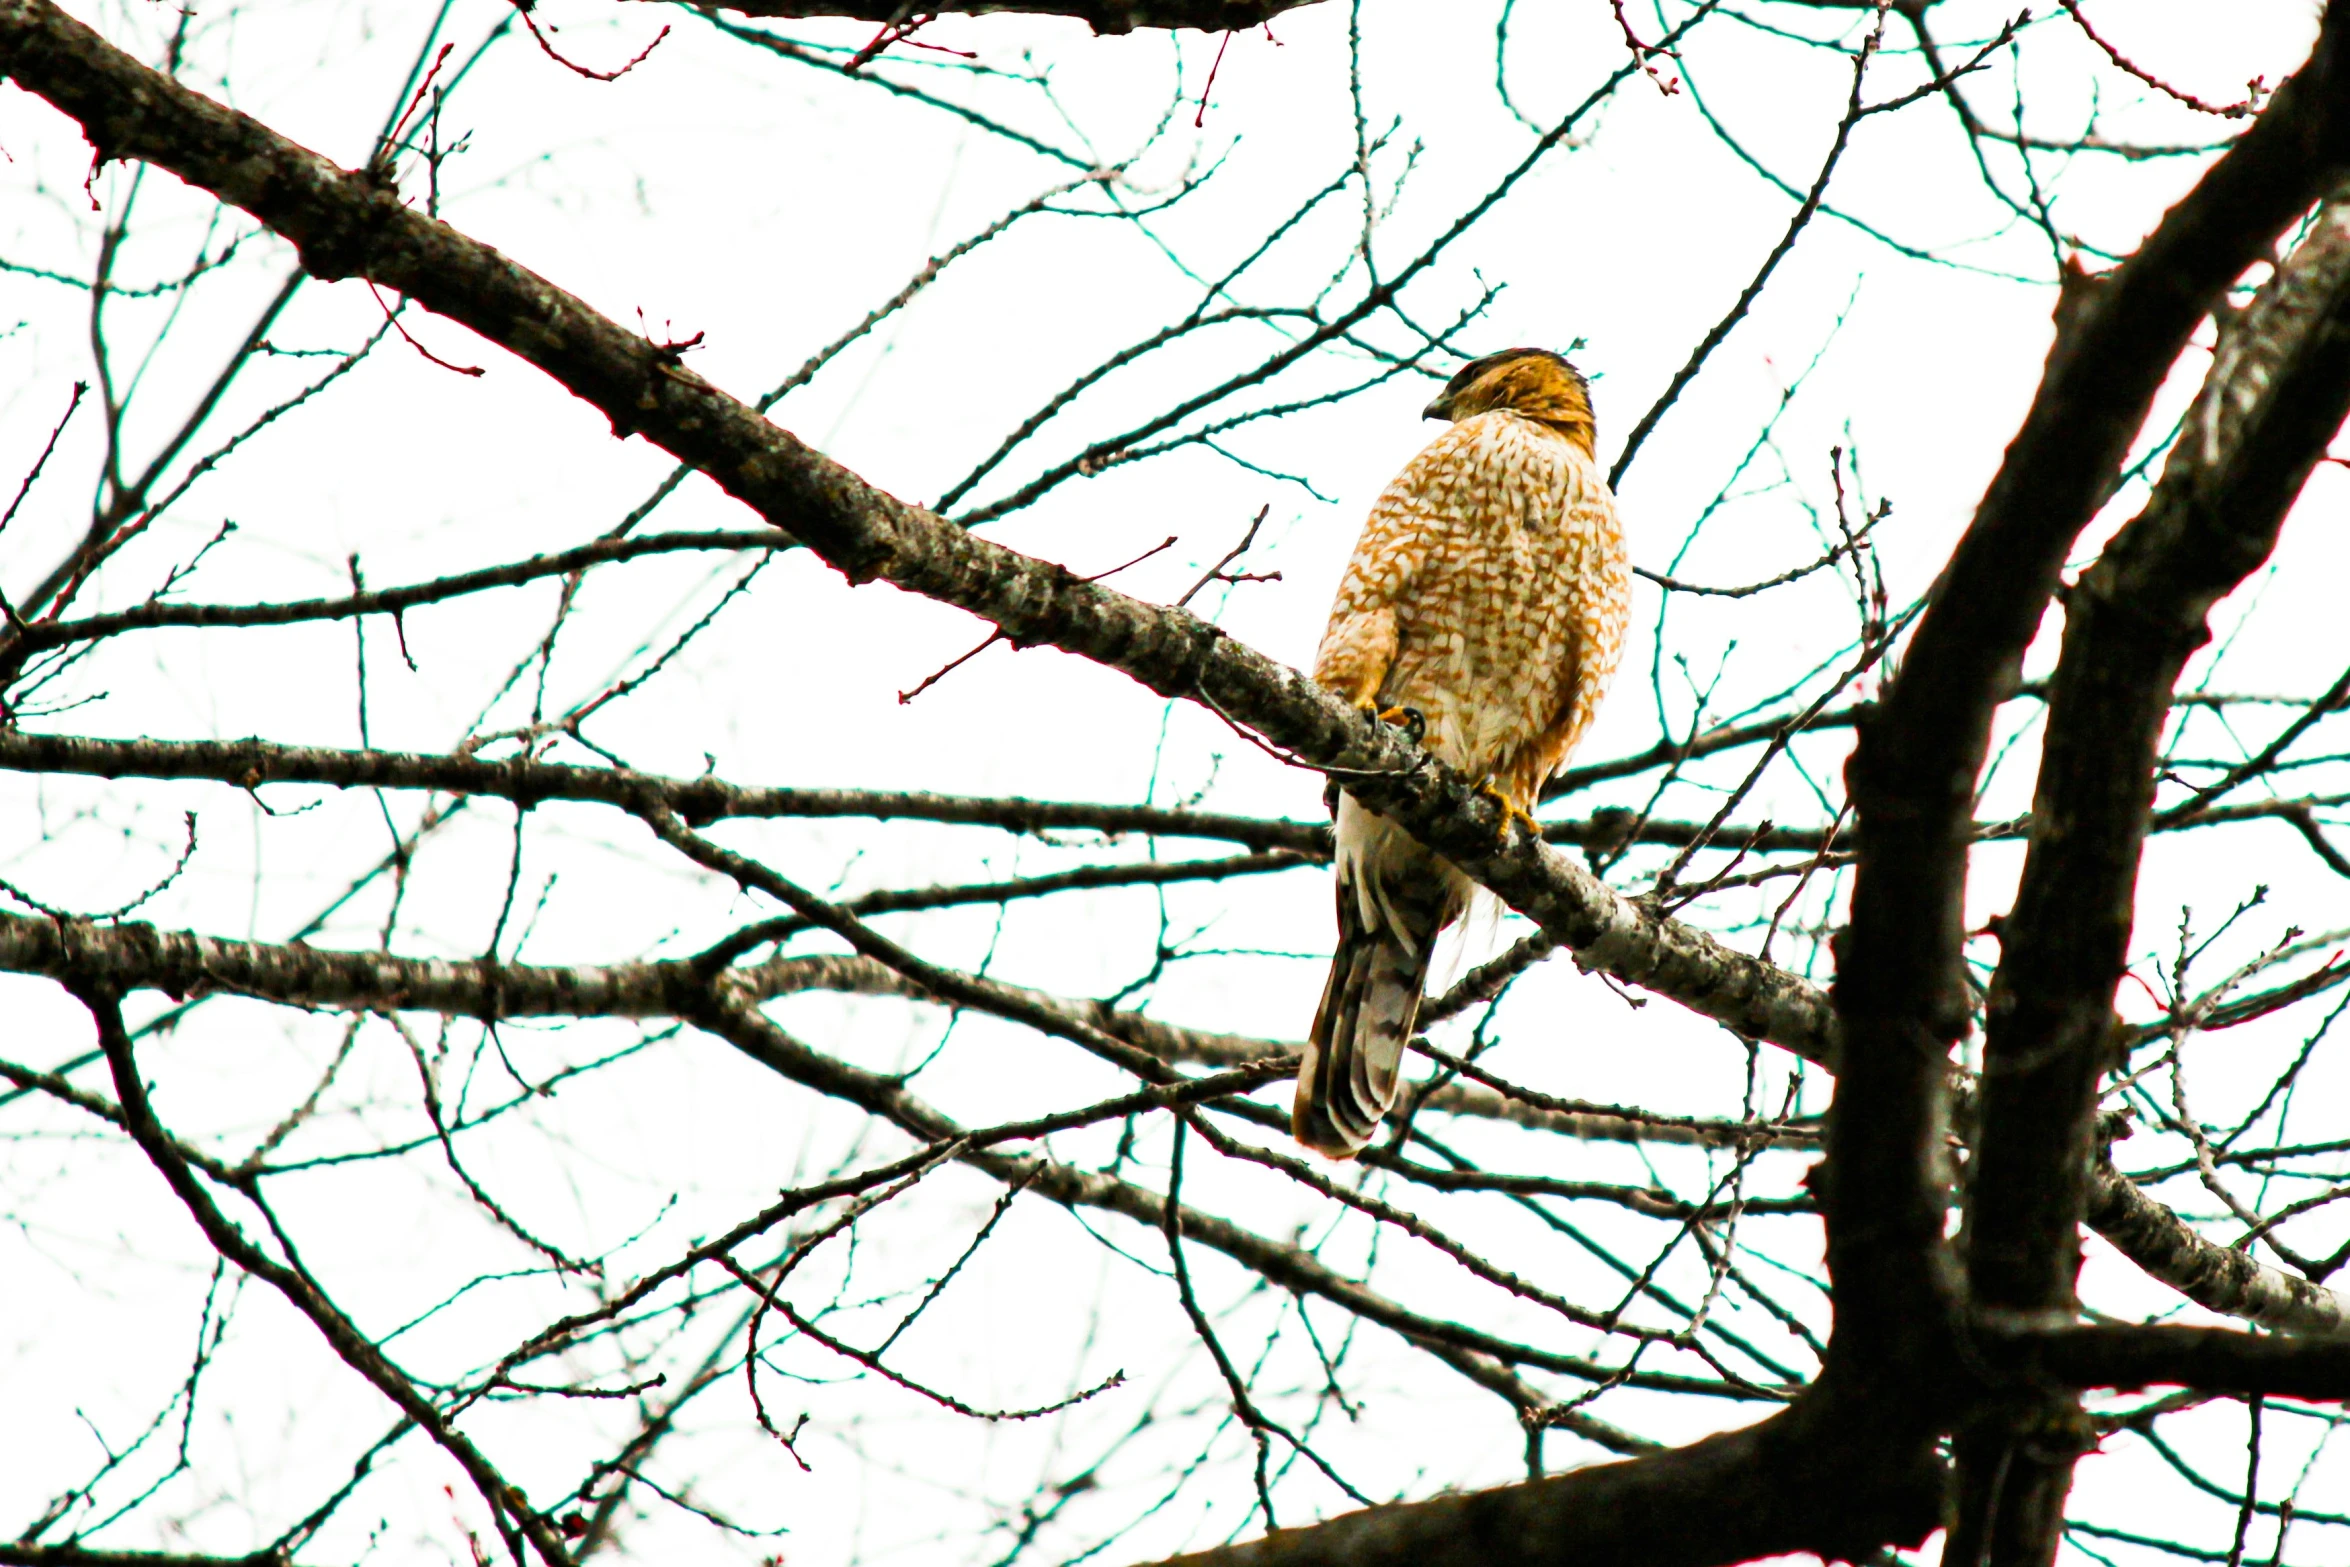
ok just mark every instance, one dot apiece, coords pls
pixel 2217 1278
pixel 2214 1360
pixel 41 635
pixel 25 1553
pixel 1901 994
pixel 505 1501
pixel 1765 1491
pixel 2277 391
pixel 1103 16
pixel 252 763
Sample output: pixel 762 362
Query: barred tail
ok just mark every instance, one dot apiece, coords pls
pixel 1393 899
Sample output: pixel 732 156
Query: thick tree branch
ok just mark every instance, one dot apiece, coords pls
pixel 2217 1278
pixel 1901 997
pixel 2215 1360
pixel 1113 16
pixel 2277 392
pixel 1103 16
pixel 1912 775
pixel 1779 1487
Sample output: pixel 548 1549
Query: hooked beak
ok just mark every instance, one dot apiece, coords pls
pixel 1439 407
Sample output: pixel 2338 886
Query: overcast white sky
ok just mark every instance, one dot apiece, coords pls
pixel 719 191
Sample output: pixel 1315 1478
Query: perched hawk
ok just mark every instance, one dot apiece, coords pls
pixel 1486 602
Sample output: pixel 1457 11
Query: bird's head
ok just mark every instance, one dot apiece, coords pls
pixel 1532 382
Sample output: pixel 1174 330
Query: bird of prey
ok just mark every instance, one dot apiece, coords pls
pixel 1485 605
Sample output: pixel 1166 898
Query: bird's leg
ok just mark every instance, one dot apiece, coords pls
pixel 1410 720
pixel 1512 808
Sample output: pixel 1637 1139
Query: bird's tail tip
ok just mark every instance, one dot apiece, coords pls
pixel 1350 1074
pixel 1318 1133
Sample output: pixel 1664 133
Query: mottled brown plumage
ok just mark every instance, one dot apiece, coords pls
pixel 1488 596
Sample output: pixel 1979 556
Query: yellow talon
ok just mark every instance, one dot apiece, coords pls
pixel 1511 809
pixel 1409 719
